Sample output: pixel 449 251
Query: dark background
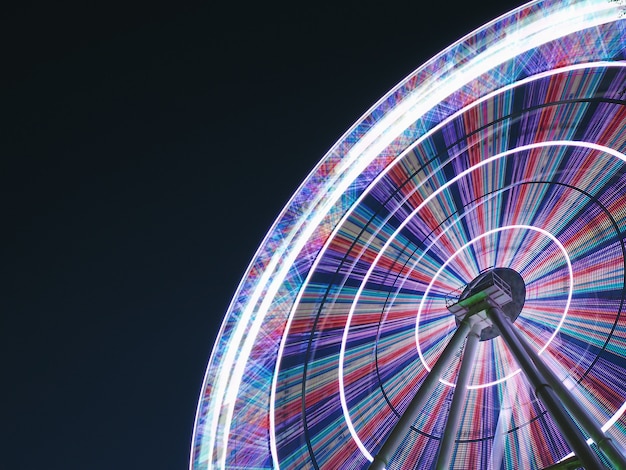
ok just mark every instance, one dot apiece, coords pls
pixel 145 151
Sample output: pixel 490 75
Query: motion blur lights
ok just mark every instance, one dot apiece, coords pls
pixel 228 365
pixel 369 272
pixel 331 196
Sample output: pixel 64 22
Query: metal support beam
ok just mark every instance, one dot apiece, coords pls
pixel 422 395
pixel 446 447
pixel 578 412
pixel 543 390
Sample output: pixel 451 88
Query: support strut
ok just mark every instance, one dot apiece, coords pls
pixel 446 447
pixel 420 398
pixel 544 391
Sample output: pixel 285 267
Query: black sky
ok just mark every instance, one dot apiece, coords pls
pixel 145 151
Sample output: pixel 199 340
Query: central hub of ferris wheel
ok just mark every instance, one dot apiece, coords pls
pixel 502 286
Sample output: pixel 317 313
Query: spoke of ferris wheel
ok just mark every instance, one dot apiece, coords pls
pixel 446 447
pixel 544 391
pixel 575 408
pixel 400 430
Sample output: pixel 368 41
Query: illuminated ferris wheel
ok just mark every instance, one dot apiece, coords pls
pixel 446 288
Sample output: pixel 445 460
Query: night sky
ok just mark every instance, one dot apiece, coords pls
pixel 145 152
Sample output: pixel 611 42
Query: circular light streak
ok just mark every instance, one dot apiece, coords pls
pixel 472 242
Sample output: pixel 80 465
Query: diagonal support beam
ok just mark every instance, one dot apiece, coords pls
pixel 446 447
pixel 576 409
pixel 543 390
pixel 400 430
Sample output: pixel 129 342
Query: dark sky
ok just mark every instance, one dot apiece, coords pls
pixel 145 151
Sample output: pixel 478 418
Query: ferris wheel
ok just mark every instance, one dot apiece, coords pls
pixel 447 287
